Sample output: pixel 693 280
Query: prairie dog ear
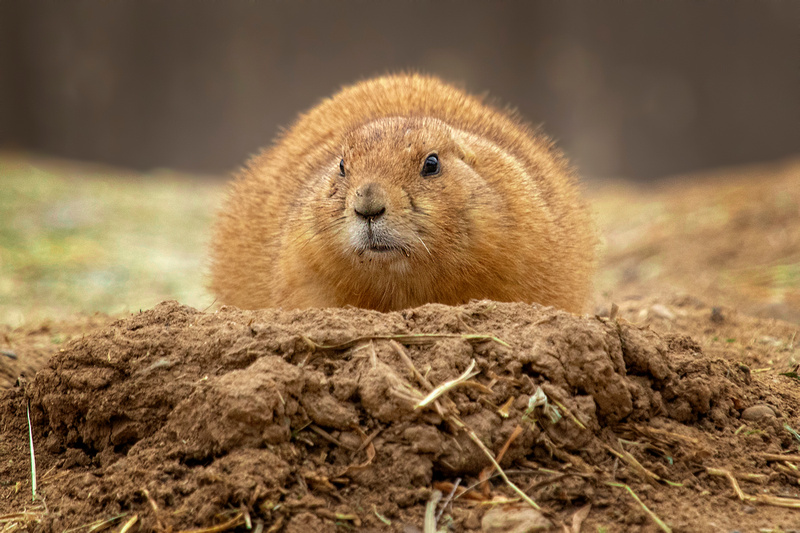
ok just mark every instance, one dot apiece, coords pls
pixel 462 149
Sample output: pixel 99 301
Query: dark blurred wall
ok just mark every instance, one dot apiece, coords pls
pixel 639 89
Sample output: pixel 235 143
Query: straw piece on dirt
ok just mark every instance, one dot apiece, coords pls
pixel 461 492
pixel 451 407
pixel 399 350
pixel 631 460
pixel 380 516
pixel 675 437
pixel 15 516
pixel 296 432
pixel 373 355
pixel 14 521
pixel 496 501
pixel 568 413
pixel 371 454
pixel 233 523
pixel 752 478
pixel 791 467
pixel 660 523
pixel 106 524
pixel 568 459
pixel 430 512
pixel 792 431
pixel 47 474
pixel 161 363
pixel 150 500
pixel 408 394
pixel 98 525
pixel 778 457
pixel 777 501
pixel 154 506
pixel 277 525
pixel 488 454
pixel 726 473
pixel 367 440
pixel 349 518
pixel 579 516
pixel 33 455
pixel 483 482
pixel 542 482
pixel 447 385
pixel 129 524
pixel 788 470
pixel 480 387
pixel 644 473
pixel 327 436
pixel 448 499
pixel 514 434
pixel 338 517
pixel 317 483
pixel 504 409
pixel 417 338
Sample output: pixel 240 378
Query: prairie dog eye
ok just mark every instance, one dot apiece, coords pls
pixel 431 166
pixel 341 168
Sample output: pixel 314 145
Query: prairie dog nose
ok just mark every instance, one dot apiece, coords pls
pixel 370 202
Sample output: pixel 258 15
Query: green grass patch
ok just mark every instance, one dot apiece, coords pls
pixel 75 239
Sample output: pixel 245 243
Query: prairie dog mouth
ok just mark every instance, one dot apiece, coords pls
pixel 382 247
pixel 374 238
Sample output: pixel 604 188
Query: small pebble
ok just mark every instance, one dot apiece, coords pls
pixel 757 412
pixel 523 520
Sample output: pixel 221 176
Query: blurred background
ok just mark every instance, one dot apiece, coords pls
pixel 119 121
pixel 636 89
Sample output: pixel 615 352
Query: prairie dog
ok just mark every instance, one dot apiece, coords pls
pixel 398 191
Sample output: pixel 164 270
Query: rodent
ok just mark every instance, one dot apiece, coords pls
pixel 399 191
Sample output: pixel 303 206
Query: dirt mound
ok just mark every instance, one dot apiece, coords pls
pixel 309 421
pixel 25 349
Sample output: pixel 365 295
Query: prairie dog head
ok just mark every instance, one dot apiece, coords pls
pixel 400 194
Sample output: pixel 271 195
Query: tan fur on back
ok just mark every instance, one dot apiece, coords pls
pixel 503 220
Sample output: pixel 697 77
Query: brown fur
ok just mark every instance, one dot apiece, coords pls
pixel 502 221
